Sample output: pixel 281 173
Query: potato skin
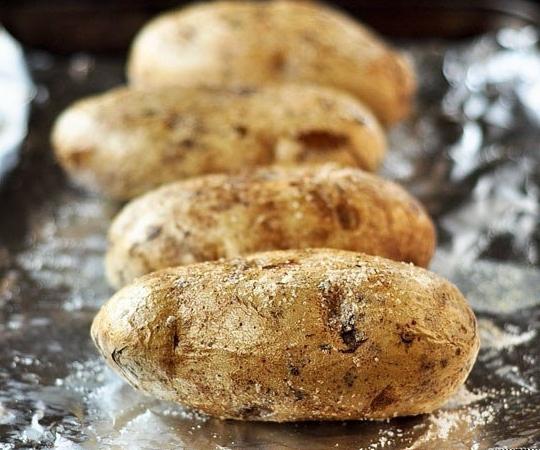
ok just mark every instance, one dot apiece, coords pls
pixel 314 334
pixel 274 208
pixel 127 141
pixel 253 43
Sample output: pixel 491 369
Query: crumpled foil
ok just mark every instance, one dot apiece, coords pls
pixel 470 153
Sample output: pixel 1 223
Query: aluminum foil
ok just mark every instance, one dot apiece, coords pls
pixel 470 152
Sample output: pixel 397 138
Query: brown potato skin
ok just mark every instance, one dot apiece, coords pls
pixel 275 208
pixel 292 335
pixel 253 43
pixel 127 141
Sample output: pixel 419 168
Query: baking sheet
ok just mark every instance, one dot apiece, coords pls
pixel 470 153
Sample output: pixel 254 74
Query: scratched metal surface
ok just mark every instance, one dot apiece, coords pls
pixel 470 153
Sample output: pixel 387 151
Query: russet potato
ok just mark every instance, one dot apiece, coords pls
pixel 292 335
pixel 128 141
pixel 222 216
pixel 253 43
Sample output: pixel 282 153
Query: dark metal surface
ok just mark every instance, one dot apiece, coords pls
pixel 93 25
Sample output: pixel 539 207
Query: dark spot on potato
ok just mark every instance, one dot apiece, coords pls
pixel 148 112
pixel 153 232
pixel 240 130
pixel 326 348
pixel 295 371
pixel 383 399
pixel 187 143
pixel 347 216
pixel 244 90
pixel 278 62
pixel 344 326
pixel 443 298
pixel 308 37
pixel 352 338
pixel 269 206
pixel 406 336
pixel 176 341
pixel 444 363
pixel 426 364
pixel 79 157
pixel 298 394
pixel 458 351
pixel 320 140
pixel 276 313
pixel 350 377
pixel 172 120
pixel 268 144
pixel 254 412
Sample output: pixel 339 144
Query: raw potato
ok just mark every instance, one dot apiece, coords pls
pixel 292 335
pixel 273 208
pixel 126 142
pixel 239 43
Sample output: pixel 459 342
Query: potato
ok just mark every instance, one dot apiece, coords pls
pixel 126 142
pixel 272 208
pixel 239 43
pixel 292 335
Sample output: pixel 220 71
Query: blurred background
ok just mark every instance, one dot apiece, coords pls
pixel 101 25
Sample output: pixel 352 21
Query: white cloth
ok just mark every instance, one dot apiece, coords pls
pixel 16 90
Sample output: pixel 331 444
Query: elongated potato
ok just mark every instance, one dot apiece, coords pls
pixel 127 142
pixel 273 208
pixel 239 43
pixel 292 335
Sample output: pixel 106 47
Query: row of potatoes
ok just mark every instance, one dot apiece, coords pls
pixel 247 289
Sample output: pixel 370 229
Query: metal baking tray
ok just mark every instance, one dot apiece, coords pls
pixel 469 152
